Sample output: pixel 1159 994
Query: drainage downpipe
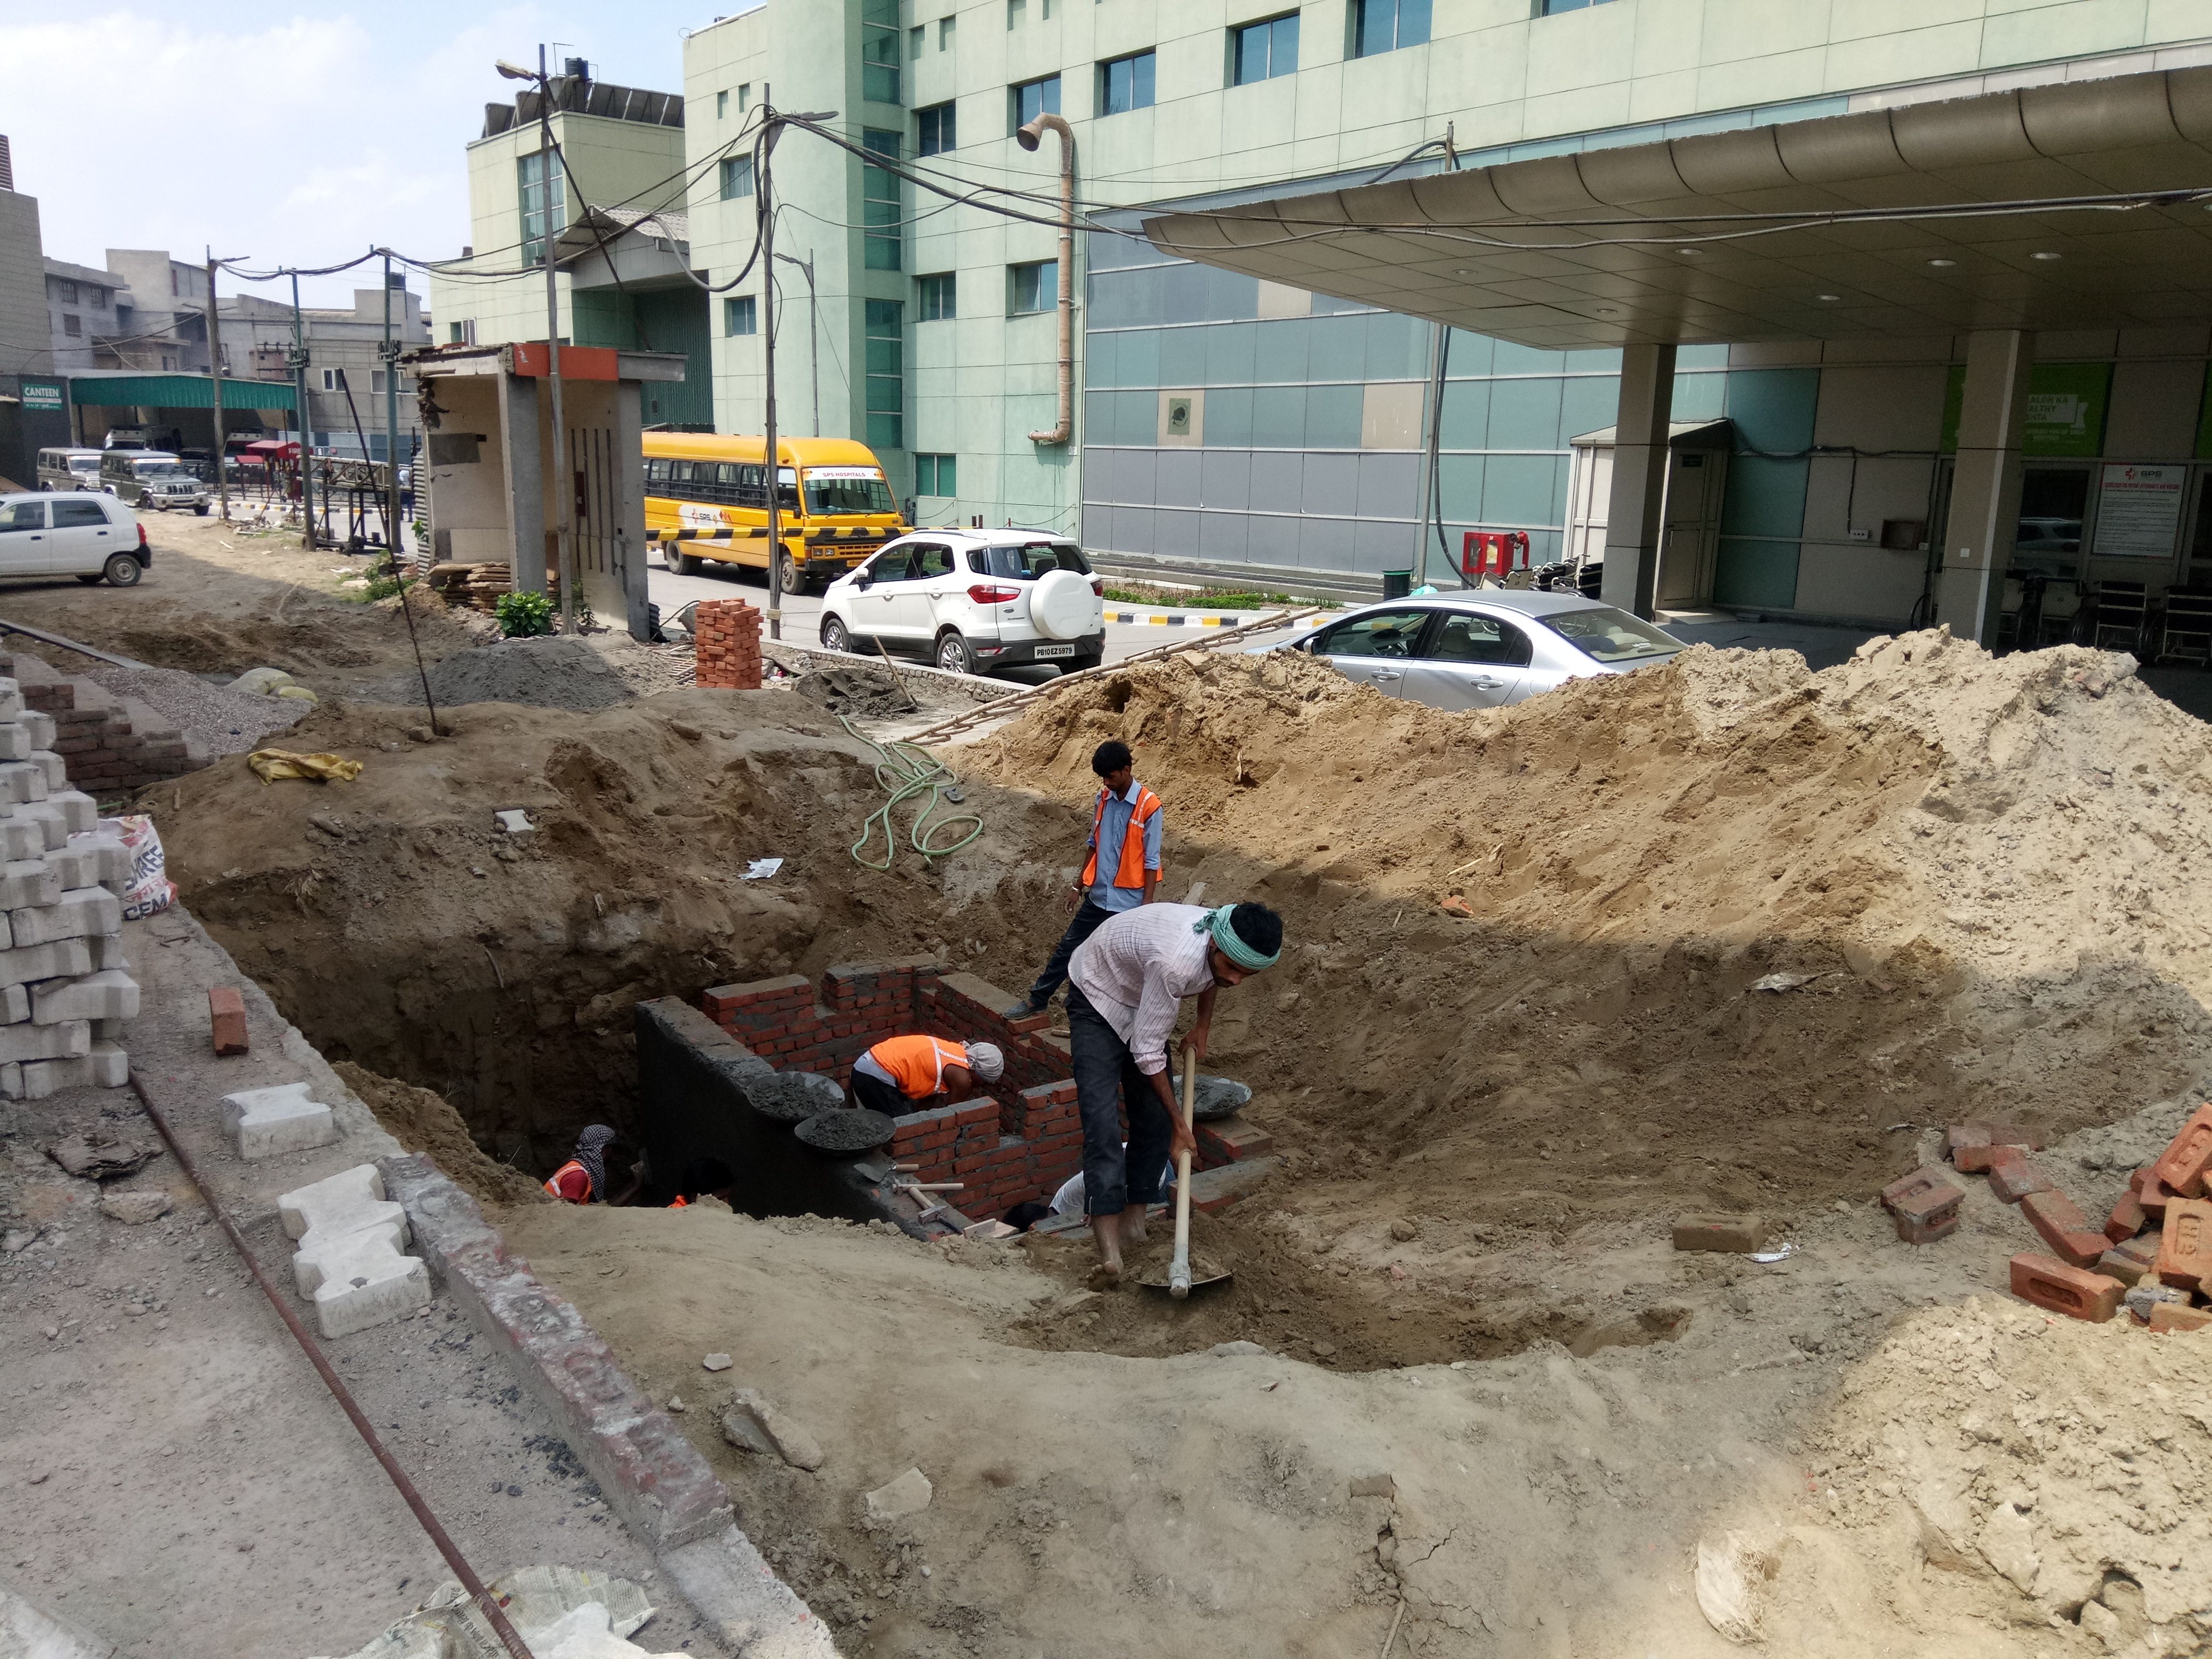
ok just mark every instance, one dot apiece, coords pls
pixel 1030 135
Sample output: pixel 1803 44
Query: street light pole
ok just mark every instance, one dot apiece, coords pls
pixel 390 355
pixel 563 481
pixel 306 434
pixel 214 376
pixel 766 209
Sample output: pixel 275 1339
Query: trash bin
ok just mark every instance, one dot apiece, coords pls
pixel 1396 583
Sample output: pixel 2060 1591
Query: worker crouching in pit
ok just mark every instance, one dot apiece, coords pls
pixel 1126 984
pixel 902 1075
pixel 583 1178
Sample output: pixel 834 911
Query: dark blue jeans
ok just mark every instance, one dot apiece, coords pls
pixel 1106 1081
pixel 1088 921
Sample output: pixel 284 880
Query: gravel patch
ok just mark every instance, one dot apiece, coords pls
pixel 795 1096
pixel 222 721
pixel 856 1129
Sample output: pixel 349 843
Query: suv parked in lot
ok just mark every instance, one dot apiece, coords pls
pixel 151 477
pixel 972 601
pixel 87 534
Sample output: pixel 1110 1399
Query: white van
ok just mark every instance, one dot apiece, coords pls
pixel 91 536
pixel 69 469
pixel 151 477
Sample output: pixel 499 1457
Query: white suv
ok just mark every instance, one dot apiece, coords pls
pixel 972 601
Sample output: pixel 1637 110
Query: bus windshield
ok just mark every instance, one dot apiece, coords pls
pixel 846 495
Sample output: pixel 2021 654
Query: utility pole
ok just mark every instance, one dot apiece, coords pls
pixel 215 374
pixel 813 334
pixel 393 528
pixel 307 432
pixel 564 483
pixel 1434 409
pixel 767 211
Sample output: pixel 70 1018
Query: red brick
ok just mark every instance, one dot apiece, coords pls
pixel 2152 1195
pixel 2063 1227
pixel 1232 1139
pixel 2173 1316
pixel 1738 1235
pixel 2181 1167
pixel 2065 1290
pixel 1973 1144
pixel 226 1020
pixel 2185 1251
pixel 1927 1196
pixel 2128 1219
pixel 2013 1176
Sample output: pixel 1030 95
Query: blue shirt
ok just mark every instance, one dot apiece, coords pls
pixel 1113 830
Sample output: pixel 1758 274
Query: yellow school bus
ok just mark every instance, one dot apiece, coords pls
pixel 836 506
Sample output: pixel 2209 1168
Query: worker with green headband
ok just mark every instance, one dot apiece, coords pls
pixel 1125 987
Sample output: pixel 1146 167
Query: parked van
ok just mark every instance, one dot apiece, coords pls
pixel 836 505
pixel 151 477
pixel 69 469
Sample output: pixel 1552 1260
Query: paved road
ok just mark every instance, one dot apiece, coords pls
pixel 802 614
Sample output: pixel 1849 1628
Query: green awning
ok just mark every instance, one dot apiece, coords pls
pixel 177 392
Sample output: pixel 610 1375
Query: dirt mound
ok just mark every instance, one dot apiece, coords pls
pixel 1983 866
pixel 554 671
pixel 425 1122
pixel 400 928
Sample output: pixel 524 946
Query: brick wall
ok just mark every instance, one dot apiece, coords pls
pixel 108 743
pixel 1020 1141
pixel 728 632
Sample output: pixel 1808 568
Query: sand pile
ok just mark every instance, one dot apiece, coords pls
pixel 551 671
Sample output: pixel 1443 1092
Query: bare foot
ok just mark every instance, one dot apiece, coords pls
pixel 1133 1227
pixel 1106 1276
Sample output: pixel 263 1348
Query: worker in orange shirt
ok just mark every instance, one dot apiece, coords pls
pixel 902 1075
pixel 1122 872
pixel 583 1178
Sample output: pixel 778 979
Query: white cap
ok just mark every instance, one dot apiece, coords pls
pixel 986 1061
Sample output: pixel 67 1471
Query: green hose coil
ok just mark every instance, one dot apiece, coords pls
pixel 906 771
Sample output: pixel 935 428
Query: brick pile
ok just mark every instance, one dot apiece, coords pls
pixel 728 632
pixel 2152 1255
pixel 108 743
pixel 64 992
pixel 1019 1141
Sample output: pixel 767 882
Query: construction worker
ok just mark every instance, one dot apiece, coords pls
pixel 1126 826
pixel 902 1074
pixel 1126 986
pixel 583 1178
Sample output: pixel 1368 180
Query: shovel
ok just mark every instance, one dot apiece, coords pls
pixel 1181 1277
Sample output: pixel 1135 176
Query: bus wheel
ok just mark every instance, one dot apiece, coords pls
pixel 682 564
pixel 786 570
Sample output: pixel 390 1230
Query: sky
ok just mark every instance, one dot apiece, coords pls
pixel 286 135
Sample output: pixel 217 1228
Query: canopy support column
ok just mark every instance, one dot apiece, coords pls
pixel 1640 477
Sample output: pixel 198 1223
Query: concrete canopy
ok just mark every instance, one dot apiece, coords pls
pixel 1698 239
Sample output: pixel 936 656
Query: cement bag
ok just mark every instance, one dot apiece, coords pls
pixel 150 891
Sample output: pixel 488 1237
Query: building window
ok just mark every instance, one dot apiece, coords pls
pixel 71 325
pixel 879 203
pixel 65 290
pixel 879 50
pixel 937 475
pixel 886 375
pixel 915 37
pixel 1124 83
pixel 1032 98
pixel 96 298
pixel 721 105
pixel 935 130
pixel 334 379
pixel 1260 52
pixel 938 297
pixel 545 203
pixel 1033 287
pixel 375 382
pixel 745 97
pixel 736 177
pixel 739 315
pixel 1553 8
pixel 1380 26
pixel 1017 13
pixel 944 31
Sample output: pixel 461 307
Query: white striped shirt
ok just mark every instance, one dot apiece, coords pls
pixel 1136 969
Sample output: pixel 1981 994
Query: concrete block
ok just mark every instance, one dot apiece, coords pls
pixel 753 1423
pixel 359 1281
pixel 319 1202
pixel 59 960
pixel 109 1064
pixel 2051 1283
pixel 25 882
pixel 20 838
pixel 107 952
pixel 110 995
pixel 80 912
pixel 104 1068
pixel 226 1020
pixel 29 1040
pixel 22 782
pixel 1738 1235
pixel 387 1222
pixel 60 816
pixel 11 1082
pixel 40 725
pixel 112 858
pixel 909 1494
pixel 754 1612
pixel 26 1631
pixel 57 773
pixel 14 740
pixel 15 1004
pixel 74 866
pixel 265 1122
pixel 1374 1486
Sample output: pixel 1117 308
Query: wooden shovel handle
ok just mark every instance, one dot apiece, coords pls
pixel 1179 1271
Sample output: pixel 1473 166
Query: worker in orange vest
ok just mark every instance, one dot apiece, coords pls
pixel 902 1075
pixel 1122 873
pixel 583 1178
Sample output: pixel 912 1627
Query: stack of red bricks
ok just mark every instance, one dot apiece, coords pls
pixel 108 743
pixel 2153 1254
pixel 728 632
pixel 1020 1141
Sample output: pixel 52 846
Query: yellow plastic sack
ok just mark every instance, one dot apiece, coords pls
pixel 271 764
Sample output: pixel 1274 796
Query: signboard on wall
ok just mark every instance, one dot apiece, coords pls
pixel 2065 415
pixel 2138 511
pixel 43 395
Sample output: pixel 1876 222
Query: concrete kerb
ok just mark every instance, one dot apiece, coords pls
pixel 653 1478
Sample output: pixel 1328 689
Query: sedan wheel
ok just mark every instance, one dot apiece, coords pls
pixel 834 636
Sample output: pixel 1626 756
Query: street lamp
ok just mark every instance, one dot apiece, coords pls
pixel 561 481
pixel 1029 135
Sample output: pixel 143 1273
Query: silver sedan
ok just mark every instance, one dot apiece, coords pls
pixel 1481 649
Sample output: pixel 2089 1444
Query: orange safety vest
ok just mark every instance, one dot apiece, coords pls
pixel 918 1063
pixel 1130 871
pixel 553 1182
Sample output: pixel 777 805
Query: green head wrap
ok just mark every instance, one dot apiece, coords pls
pixel 1216 922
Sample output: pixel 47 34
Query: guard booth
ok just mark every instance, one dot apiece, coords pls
pixel 491 466
pixel 1695 488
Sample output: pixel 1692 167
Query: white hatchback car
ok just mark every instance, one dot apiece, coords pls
pixel 85 534
pixel 972 601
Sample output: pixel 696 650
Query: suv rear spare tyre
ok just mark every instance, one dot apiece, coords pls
pixel 1062 605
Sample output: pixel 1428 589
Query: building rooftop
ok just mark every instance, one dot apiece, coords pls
pixel 574 94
